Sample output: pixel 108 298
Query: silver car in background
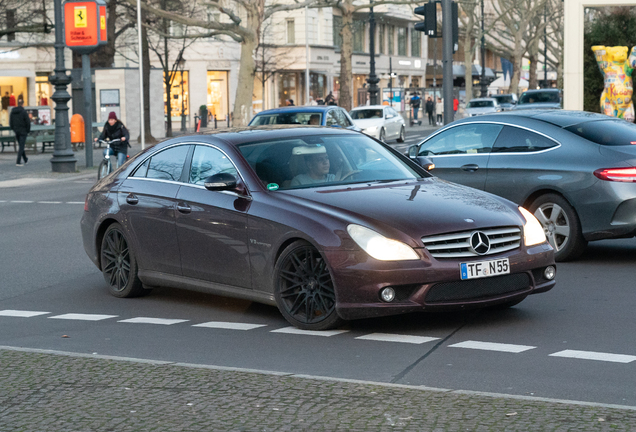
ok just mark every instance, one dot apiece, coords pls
pixel 379 121
pixel 574 170
pixel 482 106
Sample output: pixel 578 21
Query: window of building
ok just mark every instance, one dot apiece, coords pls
pixel 401 41
pixel 287 88
pixel 337 28
pixel 179 95
pixel 416 43
pixel 391 39
pixel 217 100
pixel 291 32
pixel 42 89
pixel 317 86
pixel 358 36
pixel 381 45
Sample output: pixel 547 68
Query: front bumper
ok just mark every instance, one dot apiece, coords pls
pixel 432 285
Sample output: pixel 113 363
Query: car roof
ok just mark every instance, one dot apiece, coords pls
pixel 483 99
pixel 550 90
pixel 560 118
pixel 298 109
pixel 370 107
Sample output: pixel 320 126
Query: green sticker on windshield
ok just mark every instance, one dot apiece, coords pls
pixel 272 186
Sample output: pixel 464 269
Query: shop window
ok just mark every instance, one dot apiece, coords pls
pixel 42 90
pixel 287 88
pixel 318 86
pixel 179 97
pixel 217 99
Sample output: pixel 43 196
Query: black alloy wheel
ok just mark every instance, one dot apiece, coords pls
pixel 382 135
pixel 119 264
pixel 402 135
pixel 304 289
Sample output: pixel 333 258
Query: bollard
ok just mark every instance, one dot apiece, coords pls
pixel 215 125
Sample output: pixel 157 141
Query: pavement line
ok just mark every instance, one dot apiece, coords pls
pixel 21 313
pixel 385 337
pixel 591 355
pixel 22 202
pixel 145 320
pixel 75 202
pixel 49 202
pixel 83 317
pixel 492 346
pixel 229 325
pixel 294 330
pixel 318 378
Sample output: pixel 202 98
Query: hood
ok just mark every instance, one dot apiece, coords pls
pixel 484 110
pixel 415 208
pixel 366 123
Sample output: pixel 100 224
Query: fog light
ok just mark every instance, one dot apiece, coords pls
pixel 549 272
pixel 387 294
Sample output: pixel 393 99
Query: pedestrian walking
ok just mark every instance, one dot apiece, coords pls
pixel 415 105
pixel 114 129
pixel 330 99
pixel 430 110
pixel 21 126
pixel 439 109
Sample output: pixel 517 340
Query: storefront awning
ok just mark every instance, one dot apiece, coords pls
pixel 460 71
pixel 17 73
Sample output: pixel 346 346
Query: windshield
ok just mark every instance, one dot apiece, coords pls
pixel 507 99
pixel 539 97
pixel 304 118
pixel 315 161
pixel 606 132
pixel 480 104
pixel 366 114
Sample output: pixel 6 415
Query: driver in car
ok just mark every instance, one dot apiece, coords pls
pixel 318 170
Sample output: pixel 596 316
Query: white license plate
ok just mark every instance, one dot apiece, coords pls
pixel 481 269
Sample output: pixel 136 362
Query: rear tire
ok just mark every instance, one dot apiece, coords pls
pixel 119 264
pixel 103 170
pixel 304 289
pixel 561 225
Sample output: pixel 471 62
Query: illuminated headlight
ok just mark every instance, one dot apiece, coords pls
pixel 371 129
pixel 533 232
pixel 380 247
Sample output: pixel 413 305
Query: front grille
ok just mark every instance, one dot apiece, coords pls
pixel 476 289
pixel 457 245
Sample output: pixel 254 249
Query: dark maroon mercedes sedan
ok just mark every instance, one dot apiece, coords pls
pixel 327 224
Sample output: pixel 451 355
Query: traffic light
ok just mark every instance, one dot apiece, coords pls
pixel 429 12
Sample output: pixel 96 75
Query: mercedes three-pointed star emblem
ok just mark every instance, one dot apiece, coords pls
pixel 479 243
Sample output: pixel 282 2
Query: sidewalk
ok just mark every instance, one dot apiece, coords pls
pixel 46 391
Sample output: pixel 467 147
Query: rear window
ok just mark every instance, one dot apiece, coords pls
pixel 606 132
pixel 480 104
pixel 304 118
pixel 504 99
pixel 366 114
pixel 539 97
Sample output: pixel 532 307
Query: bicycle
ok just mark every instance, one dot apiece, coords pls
pixel 106 165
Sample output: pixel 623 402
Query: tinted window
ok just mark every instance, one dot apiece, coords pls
pixel 480 104
pixel 367 114
pixel 206 162
pixel 465 139
pixel 168 164
pixel 342 119
pixel 504 99
pixel 331 119
pixel 606 132
pixel 286 118
pixel 512 139
pixel 142 170
pixel 540 97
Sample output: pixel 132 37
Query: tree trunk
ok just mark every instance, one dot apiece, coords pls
pixel 345 98
pixel 517 57
pixel 167 78
pixel 243 102
pixel 145 58
pixel 533 81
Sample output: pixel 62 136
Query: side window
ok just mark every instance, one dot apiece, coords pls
pixel 206 162
pixel 142 170
pixel 331 118
pixel 465 139
pixel 342 119
pixel 517 140
pixel 168 164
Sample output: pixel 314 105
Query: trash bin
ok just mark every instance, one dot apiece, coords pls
pixel 77 131
pixel 203 113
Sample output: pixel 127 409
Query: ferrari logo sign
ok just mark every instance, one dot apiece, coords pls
pixel 80 17
pixel 102 23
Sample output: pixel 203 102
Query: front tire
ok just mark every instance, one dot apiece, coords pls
pixel 561 225
pixel 382 136
pixel 304 289
pixel 402 135
pixel 119 264
pixel 103 170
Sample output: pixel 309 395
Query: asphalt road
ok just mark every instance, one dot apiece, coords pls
pixel 575 342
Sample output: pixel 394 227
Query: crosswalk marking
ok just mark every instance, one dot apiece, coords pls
pixel 21 313
pixel 145 320
pixel 591 355
pixel 492 346
pixel 229 325
pixel 294 330
pixel 386 337
pixel 83 317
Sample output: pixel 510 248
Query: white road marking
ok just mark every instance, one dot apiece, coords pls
pixel 83 317
pixel 145 320
pixel 3 201
pixel 21 313
pixel 75 202
pixel 492 346
pixel 229 325
pixel 294 330
pixel 22 202
pixel 49 202
pixel 385 337
pixel 591 355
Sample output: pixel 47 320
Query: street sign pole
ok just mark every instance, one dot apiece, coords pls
pixel 88 103
pixel 447 35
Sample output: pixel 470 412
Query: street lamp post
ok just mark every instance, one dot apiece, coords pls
pixel 63 159
pixel 482 79
pixel 181 63
pixel 373 79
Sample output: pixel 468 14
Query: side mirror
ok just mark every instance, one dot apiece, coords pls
pixel 220 182
pixel 413 151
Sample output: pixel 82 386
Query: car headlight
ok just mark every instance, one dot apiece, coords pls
pixel 380 247
pixel 533 232
pixel 371 129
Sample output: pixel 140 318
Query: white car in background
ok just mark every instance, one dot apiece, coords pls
pixel 379 121
pixel 482 106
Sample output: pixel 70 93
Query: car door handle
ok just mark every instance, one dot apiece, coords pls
pixel 184 208
pixel 470 167
pixel 132 199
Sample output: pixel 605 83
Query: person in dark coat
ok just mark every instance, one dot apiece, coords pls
pixel 20 124
pixel 415 105
pixel 113 130
pixel 430 110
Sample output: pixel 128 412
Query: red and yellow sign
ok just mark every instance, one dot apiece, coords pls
pixel 102 24
pixel 81 24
